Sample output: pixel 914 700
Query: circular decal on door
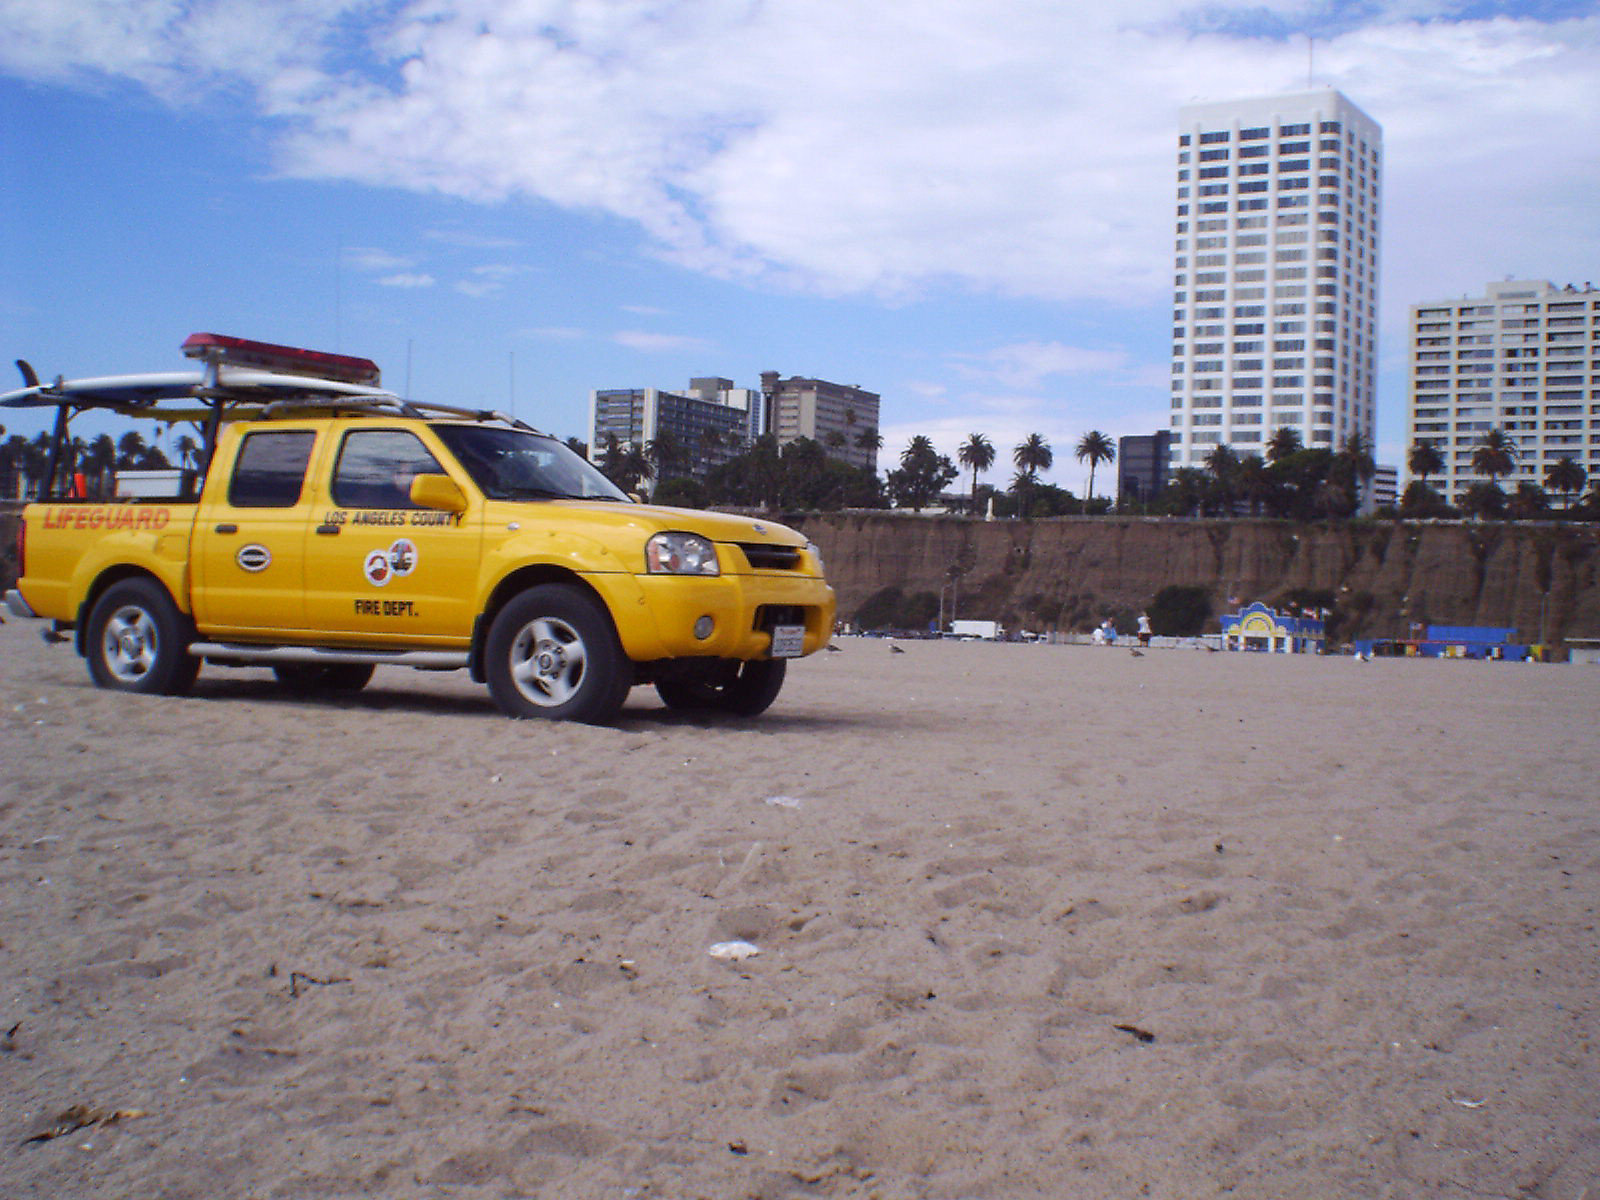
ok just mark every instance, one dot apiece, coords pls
pixel 399 559
pixel 254 557
pixel 376 567
pixel 403 556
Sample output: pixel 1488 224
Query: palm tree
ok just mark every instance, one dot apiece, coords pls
pixel 1285 441
pixel 1223 464
pixel 976 452
pixel 1031 455
pixel 1424 460
pixel 666 453
pixel 1256 482
pixel 187 448
pixel 1496 455
pixel 130 449
pixel 1567 477
pixel 1097 448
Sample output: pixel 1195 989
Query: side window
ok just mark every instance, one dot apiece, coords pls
pixel 376 467
pixel 270 470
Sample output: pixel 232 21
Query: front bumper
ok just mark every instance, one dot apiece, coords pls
pixel 742 609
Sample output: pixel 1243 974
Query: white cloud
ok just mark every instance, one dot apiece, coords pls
pixel 892 148
pixel 407 280
pixel 368 258
pixel 1025 364
pixel 655 343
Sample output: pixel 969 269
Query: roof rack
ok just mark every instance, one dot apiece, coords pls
pixel 415 409
pixel 238 380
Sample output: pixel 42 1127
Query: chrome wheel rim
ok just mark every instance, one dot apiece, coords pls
pixel 128 646
pixel 547 661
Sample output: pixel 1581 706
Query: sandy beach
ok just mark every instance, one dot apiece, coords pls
pixel 1032 921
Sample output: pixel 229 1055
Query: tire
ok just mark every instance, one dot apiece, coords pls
pixel 553 653
pixel 311 678
pixel 138 641
pixel 747 693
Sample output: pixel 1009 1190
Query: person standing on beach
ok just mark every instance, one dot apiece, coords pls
pixel 1144 629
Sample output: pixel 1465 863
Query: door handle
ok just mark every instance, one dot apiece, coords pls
pixel 329 529
pixel 227 529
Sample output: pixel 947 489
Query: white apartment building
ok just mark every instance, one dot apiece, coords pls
pixel 1523 358
pixel 1276 282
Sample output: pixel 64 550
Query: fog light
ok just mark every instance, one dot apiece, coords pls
pixel 703 628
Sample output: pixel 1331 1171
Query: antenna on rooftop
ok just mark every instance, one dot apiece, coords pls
pixel 1311 47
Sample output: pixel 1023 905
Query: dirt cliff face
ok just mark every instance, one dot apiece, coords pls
pixel 1068 573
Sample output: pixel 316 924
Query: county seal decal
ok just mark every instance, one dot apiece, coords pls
pixel 400 558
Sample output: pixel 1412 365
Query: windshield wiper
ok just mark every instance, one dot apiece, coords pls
pixel 537 493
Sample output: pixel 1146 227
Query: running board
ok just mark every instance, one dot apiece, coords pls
pixel 427 660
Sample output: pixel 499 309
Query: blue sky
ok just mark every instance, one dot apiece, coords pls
pixel 964 205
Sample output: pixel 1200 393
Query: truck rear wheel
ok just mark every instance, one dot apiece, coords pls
pixel 138 641
pixel 552 652
pixel 747 691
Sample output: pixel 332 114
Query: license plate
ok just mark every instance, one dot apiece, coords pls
pixel 788 641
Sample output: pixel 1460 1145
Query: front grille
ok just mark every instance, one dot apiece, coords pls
pixel 764 556
pixel 770 615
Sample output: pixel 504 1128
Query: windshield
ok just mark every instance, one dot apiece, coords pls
pixel 512 464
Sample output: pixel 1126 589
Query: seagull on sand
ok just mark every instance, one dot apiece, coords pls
pixel 893 649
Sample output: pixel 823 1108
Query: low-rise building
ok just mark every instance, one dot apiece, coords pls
pixel 706 425
pixel 1142 461
pixel 842 418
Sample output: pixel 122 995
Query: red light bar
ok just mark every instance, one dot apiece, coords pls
pixel 242 352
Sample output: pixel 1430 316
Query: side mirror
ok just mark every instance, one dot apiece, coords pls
pixel 438 491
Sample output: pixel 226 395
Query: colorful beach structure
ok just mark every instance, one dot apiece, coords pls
pixel 1257 627
pixel 1453 641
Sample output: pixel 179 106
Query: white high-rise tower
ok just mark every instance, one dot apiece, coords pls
pixel 1276 288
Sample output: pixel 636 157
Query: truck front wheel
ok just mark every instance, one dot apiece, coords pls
pixel 138 641
pixel 747 691
pixel 552 652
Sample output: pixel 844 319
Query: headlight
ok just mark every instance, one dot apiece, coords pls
pixel 680 554
pixel 816 554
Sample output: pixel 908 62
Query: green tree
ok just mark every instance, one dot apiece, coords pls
pixel 1179 611
pixel 976 452
pixel 667 453
pixel 1424 460
pixel 1356 454
pixel 1256 482
pixel 1420 500
pixel 1528 502
pixel 1567 477
pixel 923 473
pixel 1223 466
pixel 131 449
pixel 1484 500
pixel 1031 455
pixel 187 449
pixel 1284 442
pixel 1095 448
pixel 1495 456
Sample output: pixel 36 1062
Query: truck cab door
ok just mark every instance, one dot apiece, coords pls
pixel 380 568
pixel 250 541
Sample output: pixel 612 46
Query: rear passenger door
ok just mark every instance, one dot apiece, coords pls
pixel 249 564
